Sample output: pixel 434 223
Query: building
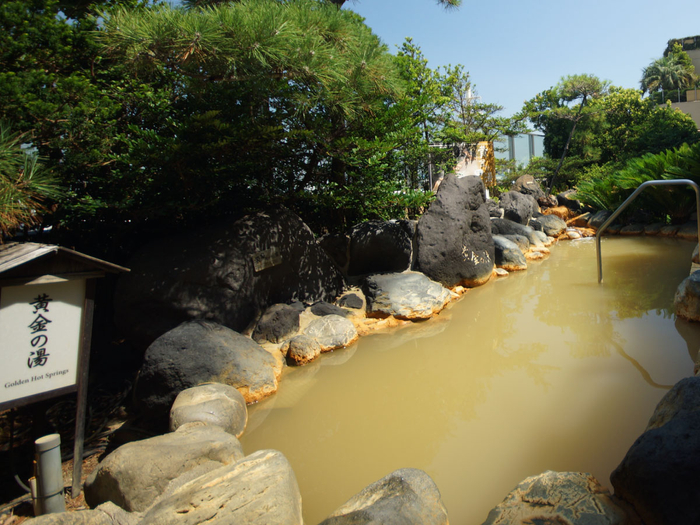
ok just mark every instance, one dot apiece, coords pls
pixel 522 148
pixel 691 107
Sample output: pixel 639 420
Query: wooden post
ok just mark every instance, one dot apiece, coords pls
pixel 83 376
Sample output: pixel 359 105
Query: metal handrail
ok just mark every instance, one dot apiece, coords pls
pixel 636 192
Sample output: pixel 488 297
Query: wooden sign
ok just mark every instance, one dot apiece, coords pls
pixel 41 330
pixel 265 259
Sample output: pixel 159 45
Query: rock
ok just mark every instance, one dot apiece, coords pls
pixel 613 229
pixel 135 474
pixel 260 489
pixel 323 308
pixel 201 352
pixel 494 209
pixel 562 212
pixel 518 207
pixel 331 332
pixel 548 201
pixel 453 240
pixel 302 350
pixel 520 240
pixel 228 275
pixel 669 231
pixel 506 227
pixel 565 198
pixel 581 221
pixel 552 225
pixel 105 514
pixel 509 256
pixel 659 474
pixel 213 404
pixel 527 185
pixel 409 295
pixel 632 229
pixel 279 322
pixel 573 234
pixel 696 254
pixel 337 247
pixel 687 299
pixel 688 231
pixel 378 246
pixel 542 237
pixel 351 300
pixel 652 229
pixel 404 497
pixel 571 498
pixel 500 272
pixel 598 218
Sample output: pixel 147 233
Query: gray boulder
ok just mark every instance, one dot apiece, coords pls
pixel 228 275
pixel 687 299
pixel 105 514
pixel 331 332
pixel 509 256
pixel 379 246
pixel 659 474
pixel 653 229
pixel 201 352
pixel 453 239
pixel 632 229
pixel 688 231
pixel 279 322
pixel 518 207
pixel 598 218
pixel 409 295
pixel 404 497
pixel 567 198
pixel 260 489
pixel 213 404
pixel 527 185
pixel 571 498
pixel 351 300
pixel 302 350
pixel 520 240
pixel 337 247
pixel 135 474
pixel 669 231
pixel 552 225
pixel 506 227
pixel 494 209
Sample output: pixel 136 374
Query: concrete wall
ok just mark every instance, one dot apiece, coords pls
pixel 690 108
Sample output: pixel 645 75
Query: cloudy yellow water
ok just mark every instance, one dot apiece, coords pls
pixel 543 370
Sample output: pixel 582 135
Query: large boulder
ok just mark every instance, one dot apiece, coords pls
pixel 687 299
pixel 518 207
pixel 527 185
pixel 453 239
pixel 506 227
pixel 552 225
pixel 378 246
pixel 105 514
pixel 598 219
pixel 688 231
pixel 571 498
pixel 659 474
pixel 212 404
pixel 509 256
pixel 201 352
pixel 229 275
pixel 405 497
pixel 409 295
pixel 568 198
pixel 331 332
pixel 302 350
pixel 135 474
pixel 260 489
pixel 279 322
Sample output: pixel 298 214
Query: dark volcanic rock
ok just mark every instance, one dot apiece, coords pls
pixel 200 352
pixel 378 247
pixel 686 302
pixel 228 275
pixel 494 209
pixel 322 308
pixel 565 199
pixel 506 227
pixel 598 218
pixel 552 225
pixel 453 241
pixel 351 300
pixel 509 256
pixel 527 185
pixel 518 207
pixel 659 474
pixel 277 323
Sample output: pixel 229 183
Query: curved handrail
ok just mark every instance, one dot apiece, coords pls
pixel 636 192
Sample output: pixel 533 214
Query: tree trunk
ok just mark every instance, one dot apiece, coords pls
pixel 566 147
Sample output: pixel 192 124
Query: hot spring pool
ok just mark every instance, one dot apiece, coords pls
pixel 542 370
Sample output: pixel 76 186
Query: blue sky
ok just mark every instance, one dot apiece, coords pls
pixel 513 49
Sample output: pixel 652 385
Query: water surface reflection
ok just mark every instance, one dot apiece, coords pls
pixel 543 370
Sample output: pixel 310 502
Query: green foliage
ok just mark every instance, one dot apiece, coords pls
pixel 672 72
pixel 24 184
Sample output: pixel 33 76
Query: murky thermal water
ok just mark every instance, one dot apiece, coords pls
pixel 543 370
